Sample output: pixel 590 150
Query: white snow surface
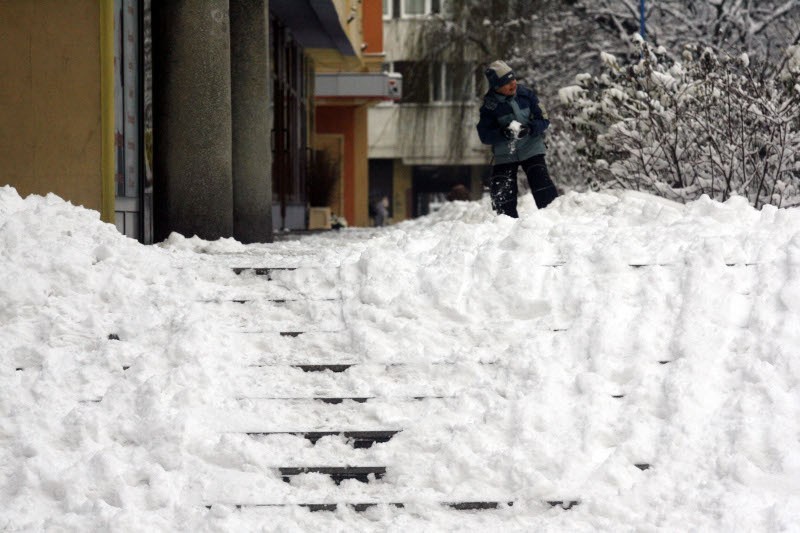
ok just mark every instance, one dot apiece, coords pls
pixel 522 331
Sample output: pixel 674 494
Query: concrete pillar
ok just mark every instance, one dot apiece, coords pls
pixel 192 119
pixel 250 89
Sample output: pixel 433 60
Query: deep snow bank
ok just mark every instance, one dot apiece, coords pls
pixel 67 283
pixel 544 319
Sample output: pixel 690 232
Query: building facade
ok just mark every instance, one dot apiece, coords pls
pixel 56 100
pixel 423 145
pixel 198 117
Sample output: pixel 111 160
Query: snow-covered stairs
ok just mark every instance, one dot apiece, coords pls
pixel 357 438
pixel 332 399
pixel 328 402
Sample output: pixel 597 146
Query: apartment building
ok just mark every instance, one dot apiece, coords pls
pixel 423 145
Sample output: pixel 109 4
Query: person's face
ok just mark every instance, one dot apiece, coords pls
pixel 508 89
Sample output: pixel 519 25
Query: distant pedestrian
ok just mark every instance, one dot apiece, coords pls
pixel 381 210
pixel 458 193
pixel 513 123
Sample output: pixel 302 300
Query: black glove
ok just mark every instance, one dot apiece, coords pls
pixel 539 125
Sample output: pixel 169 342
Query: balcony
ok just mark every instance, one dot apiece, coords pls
pixel 426 134
pixel 358 86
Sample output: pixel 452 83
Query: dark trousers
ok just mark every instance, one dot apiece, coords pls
pixel 504 185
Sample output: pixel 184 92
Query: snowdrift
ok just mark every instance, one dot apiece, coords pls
pixel 567 347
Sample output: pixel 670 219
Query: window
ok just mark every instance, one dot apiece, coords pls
pixel 417 8
pixel 387 9
pixel 416 81
pixel 425 82
pixel 452 82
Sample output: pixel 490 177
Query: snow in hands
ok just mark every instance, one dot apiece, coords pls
pixel 618 350
pixel 515 127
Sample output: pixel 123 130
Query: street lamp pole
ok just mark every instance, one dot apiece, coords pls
pixel 642 29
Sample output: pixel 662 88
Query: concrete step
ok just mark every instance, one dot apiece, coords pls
pixel 298 332
pixel 338 368
pixel 292 316
pixel 357 438
pixel 277 301
pixel 269 271
pixel 254 282
pixel 275 290
pixel 361 507
pixel 355 421
pixel 367 381
pixel 261 271
pixel 364 474
pixel 292 333
pixel 332 367
pixel 344 366
pixel 563 504
pixel 648 264
pixel 325 413
pixel 670 265
pixel 332 400
pixel 365 478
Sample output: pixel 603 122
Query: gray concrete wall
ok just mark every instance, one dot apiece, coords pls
pixel 250 91
pixel 192 137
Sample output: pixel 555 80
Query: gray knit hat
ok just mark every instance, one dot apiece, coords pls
pixel 498 74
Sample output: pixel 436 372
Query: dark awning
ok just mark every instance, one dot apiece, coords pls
pixel 314 23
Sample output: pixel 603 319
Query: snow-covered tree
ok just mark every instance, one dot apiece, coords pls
pixel 548 41
pixel 707 124
pixel 763 29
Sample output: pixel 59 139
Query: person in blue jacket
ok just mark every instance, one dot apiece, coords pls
pixel 513 123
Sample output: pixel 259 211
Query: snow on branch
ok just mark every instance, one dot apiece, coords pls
pixel 705 125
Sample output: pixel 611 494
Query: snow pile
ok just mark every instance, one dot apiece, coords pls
pixel 552 366
pixel 67 283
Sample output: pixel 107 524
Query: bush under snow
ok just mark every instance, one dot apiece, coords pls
pixel 709 124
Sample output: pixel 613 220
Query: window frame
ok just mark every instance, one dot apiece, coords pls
pixel 388 9
pixel 426 10
pixel 438 71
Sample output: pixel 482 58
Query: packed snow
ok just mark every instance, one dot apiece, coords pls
pixel 555 353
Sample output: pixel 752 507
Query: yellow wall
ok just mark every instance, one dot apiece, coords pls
pixel 355 28
pixel 50 112
pixel 367 23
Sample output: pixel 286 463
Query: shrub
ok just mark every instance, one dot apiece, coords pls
pixel 708 124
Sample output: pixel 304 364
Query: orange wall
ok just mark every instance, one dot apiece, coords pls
pixel 373 26
pixel 341 120
pixel 50 112
pixel 351 123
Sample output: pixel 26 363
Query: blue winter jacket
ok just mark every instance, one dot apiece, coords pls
pixel 498 111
